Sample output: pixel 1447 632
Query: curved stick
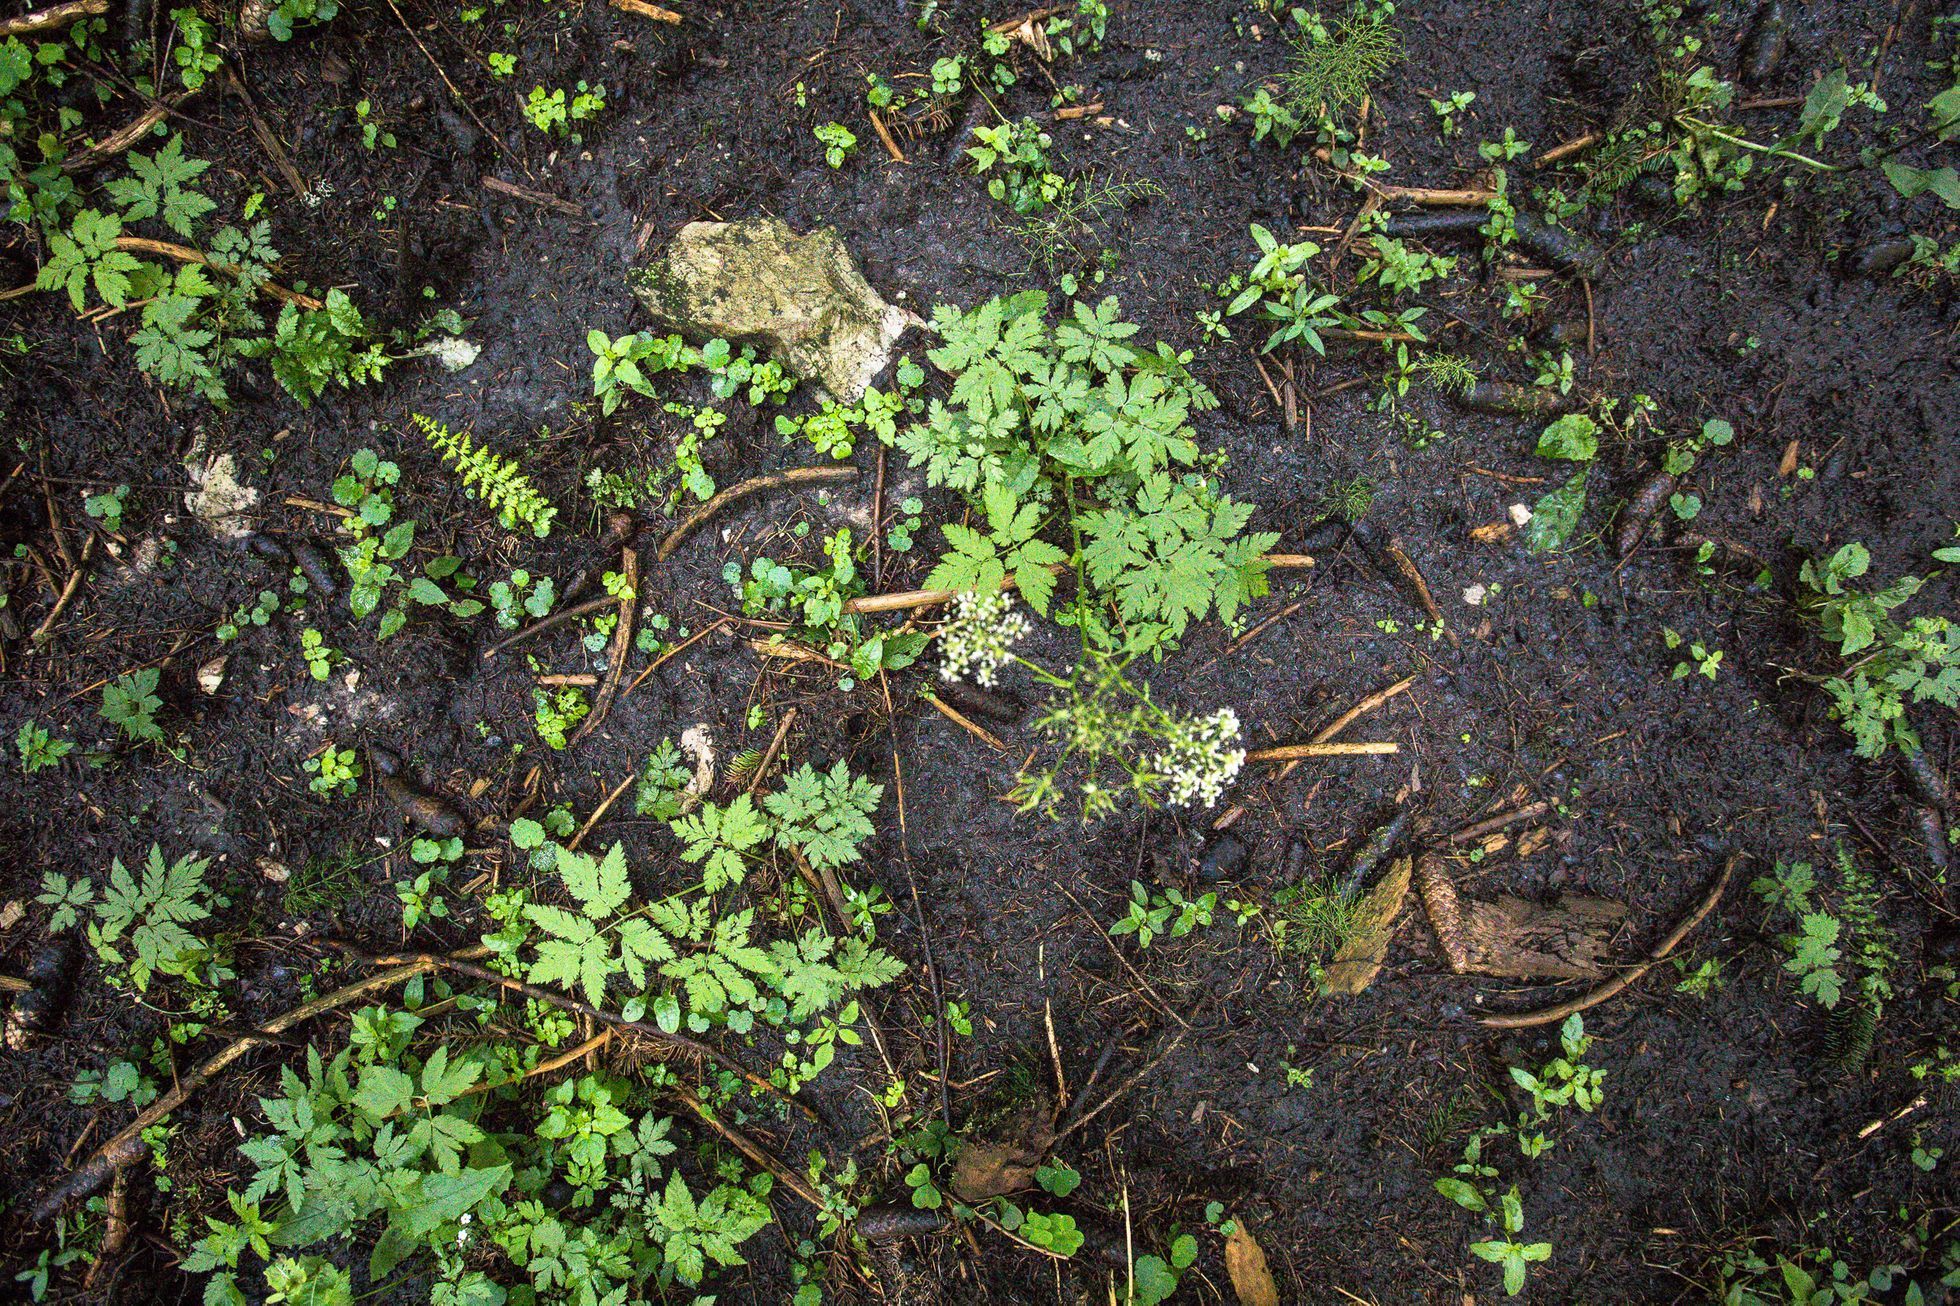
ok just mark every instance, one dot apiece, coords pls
pixel 1593 997
pixel 695 520
pixel 127 1146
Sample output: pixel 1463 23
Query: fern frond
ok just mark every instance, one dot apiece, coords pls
pixel 499 482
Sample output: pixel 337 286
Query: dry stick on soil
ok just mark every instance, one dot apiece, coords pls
pixel 600 811
pixel 736 493
pixel 747 1146
pixel 1433 197
pixel 557 618
pixel 495 142
pixel 906 599
pixel 1553 1014
pixel 125 136
pixel 115 1230
pixel 653 1033
pixel 267 138
pixel 128 1147
pixel 965 723
pixel 884 135
pixel 1117 952
pixel 1129 1082
pixel 1322 735
pixel 53 16
pixel 1301 752
pixel 1501 821
pixel 718 624
pixel 645 10
pixel 67 595
pixel 622 644
pixel 1576 145
pixel 185 254
pixel 769 753
pixel 537 197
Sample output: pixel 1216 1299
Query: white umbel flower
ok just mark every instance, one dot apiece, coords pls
pixel 1200 758
pixel 980 638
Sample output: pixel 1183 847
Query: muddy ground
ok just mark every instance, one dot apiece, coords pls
pixel 1723 1121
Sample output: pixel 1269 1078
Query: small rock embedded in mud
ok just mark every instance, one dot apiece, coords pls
pixel 800 297
pixel 1225 859
pixel 1768 41
pixel 1881 258
pixel 217 498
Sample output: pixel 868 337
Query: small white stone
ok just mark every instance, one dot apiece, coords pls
pixel 1474 594
pixel 1520 515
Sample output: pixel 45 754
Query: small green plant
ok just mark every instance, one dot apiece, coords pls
pixel 130 704
pixel 336 772
pixel 39 750
pixel 1166 914
pixel 1896 663
pixel 499 482
pixel 520 596
pixel 319 656
pixel 1016 154
pixel 838 141
pixel 553 112
pixel 289 16
pixel 149 918
pixel 107 507
pixel 374 133
pixel 1334 67
pixel 557 714
pixel 1837 949
pixel 1447 110
pixel 1700 658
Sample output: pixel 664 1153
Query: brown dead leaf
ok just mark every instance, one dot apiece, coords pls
pixel 1245 1262
pixel 1788 466
pixel 1006 1162
pixel 1494 532
pixel 1532 840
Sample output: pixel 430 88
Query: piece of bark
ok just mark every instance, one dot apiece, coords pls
pixel 1360 958
pixel 1245 1265
pixel 1005 1164
pixel 1515 939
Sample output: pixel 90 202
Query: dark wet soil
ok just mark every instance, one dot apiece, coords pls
pixel 1723 1121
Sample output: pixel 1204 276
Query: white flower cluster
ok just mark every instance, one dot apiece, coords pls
pixel 1200 758
pixel 980 638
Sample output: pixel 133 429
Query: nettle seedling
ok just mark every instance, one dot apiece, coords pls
pixel 367 489
pixel 1700 658
pixel 839 143
pixel 553 112
pixel 336 772
pixel 39 750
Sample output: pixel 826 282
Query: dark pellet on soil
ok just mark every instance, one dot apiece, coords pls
pixel 1767 42
pixel 1642 506
pixel 313 565
pixel 1224 859
pixel 890 1221
pixel 1882 257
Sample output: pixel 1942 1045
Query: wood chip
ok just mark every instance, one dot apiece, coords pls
pixel 1360 958
pixel 1245 1265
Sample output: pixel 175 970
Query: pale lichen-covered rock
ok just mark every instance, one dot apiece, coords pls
pixel 801 298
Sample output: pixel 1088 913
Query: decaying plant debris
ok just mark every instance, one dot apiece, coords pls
pixel 1090 652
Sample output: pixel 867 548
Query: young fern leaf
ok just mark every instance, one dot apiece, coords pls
pixel 499 482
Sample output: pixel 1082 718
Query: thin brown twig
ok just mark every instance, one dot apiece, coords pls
pixel 558 618
pixel 495 143
pixel 769 754
pixel 185 254
pixel 601 810
pixel 621 645
pixel 747 1146
pixel 735 493
pixel 68 591
pixel 966 723
pixel 558 1062
pixel 646 10
pixel 1302 752
pixel 678 649
pixel 127 1146
pixel 1117 953
pixel 53 16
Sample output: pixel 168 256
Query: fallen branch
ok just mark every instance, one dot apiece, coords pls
pixel 769 753
pixel 1301 752
pixel 537 197
pixel 557 618
pixel 645 10
pixel 966 723
pixel 1593 997
pixel 127 1146
pixel 1433 197
pixel 185 254
pixel 906 599
pixel 747 1146
pixel 53 16
pixel 621 645
pixel 67 596
pixel 123 137
pixel 695 520
pixel 653 1033
pixel 885 135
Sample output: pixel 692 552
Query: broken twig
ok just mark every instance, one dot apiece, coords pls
pixel 695 520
